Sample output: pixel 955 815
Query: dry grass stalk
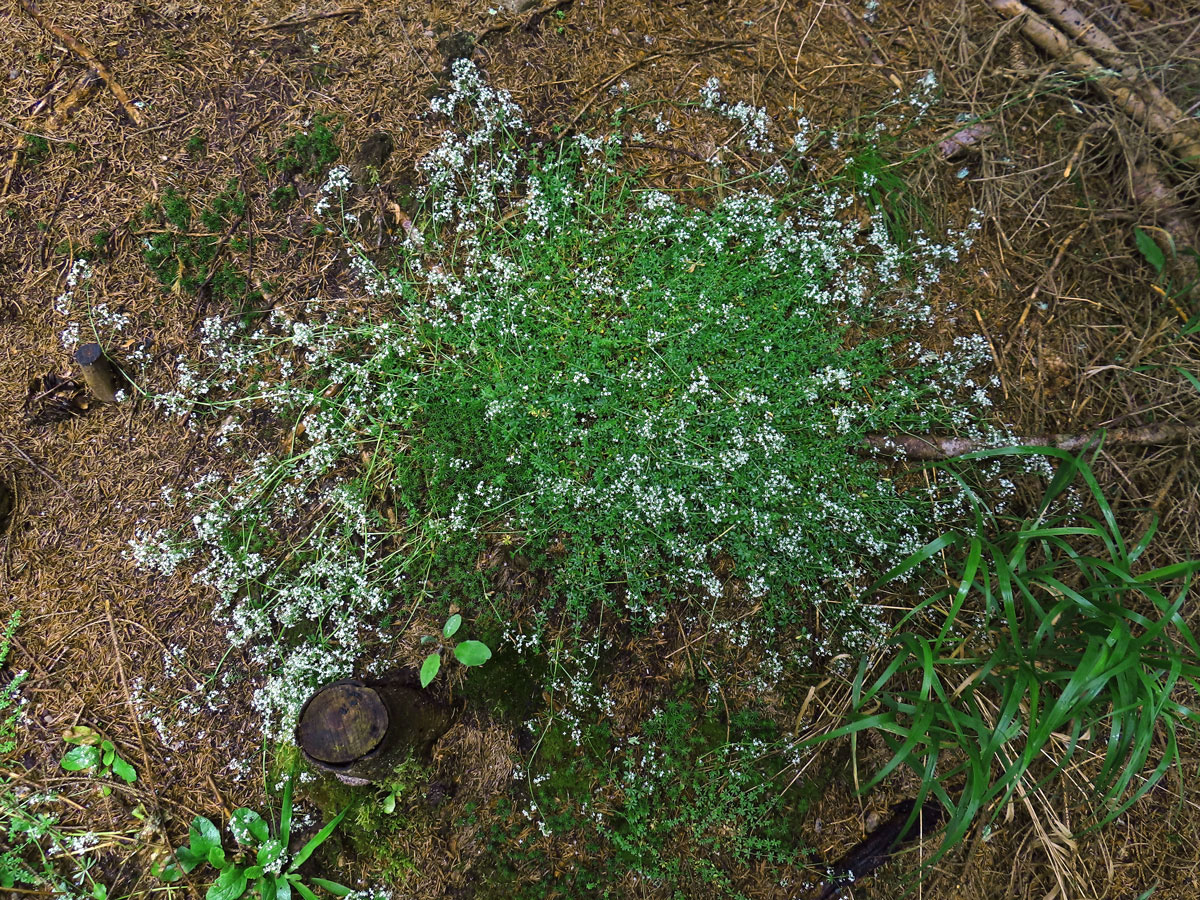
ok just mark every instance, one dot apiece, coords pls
pixel 1115 87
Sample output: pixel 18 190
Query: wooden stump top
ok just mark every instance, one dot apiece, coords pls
pixel 342 723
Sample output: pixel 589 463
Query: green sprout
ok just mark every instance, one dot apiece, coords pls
pixel 97 755
pixel 469 653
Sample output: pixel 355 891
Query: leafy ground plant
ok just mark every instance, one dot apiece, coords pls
pixel 259 862
pixel 642 396
pixel 95 755
pixel 1074 654
pixel 469 653
pixel 8 693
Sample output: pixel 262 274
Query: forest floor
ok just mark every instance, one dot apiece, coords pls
pixel 200 103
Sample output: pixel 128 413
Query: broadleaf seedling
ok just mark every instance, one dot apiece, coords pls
pixel 469 653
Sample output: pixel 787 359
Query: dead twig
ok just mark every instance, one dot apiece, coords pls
pixel 88 57
pixel 933 447
pixel 297 21
pixel 29 459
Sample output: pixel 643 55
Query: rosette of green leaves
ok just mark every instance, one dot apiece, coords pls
pixel 469 653
pixel 271 872
pixel 97 755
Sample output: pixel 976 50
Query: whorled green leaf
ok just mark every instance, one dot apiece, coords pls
pixel 203 835
pixel 188 858
pixel 269 852
pixel 124 770
pixel 169 870
pixel 246 823
pixel 472 653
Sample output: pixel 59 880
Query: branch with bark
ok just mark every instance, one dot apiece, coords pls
pixel 935 447
pixel 1125 88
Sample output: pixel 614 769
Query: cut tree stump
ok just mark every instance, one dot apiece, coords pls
pixel 360 732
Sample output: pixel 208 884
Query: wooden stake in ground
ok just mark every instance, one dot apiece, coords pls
pixel 87 56
pixel 98 372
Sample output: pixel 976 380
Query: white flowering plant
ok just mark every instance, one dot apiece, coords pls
pixel 650 401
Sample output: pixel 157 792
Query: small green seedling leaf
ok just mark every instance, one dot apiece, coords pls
pixel 81 734
pixel 389 804
pixel 429 668
pixel 472 653
pixel 203 836
pixel 304 891
pixel 338 890
pixel 216 857
pixel 452 625
pixel 124 770
pixel 1150 250
pixel 269 852
pixel 188 858
pixel 80 759
pixel 169 870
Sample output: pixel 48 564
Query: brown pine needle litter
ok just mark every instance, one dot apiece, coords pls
pixel 110 108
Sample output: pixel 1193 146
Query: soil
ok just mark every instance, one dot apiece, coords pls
pixel 1082 332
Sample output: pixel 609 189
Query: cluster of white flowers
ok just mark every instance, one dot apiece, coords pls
pixel 754 121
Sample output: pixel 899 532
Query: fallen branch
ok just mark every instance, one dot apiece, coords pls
pixel 1115 87
pixel 87 56
pixel 1085 32
pixel 934 447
